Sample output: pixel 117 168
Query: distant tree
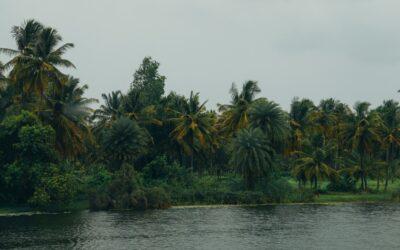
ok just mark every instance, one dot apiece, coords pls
pixel 390 114
pixel 362 131
pixel 147 87
pixel 235 115
pixel 272 120
pixel 37 57
pixel 68 112
pixel 252 155
pixel 192 127
pixel 123 142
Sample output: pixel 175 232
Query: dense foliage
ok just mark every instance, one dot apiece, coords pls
pixel 148 149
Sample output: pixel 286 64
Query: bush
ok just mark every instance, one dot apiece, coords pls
pixel 252 197
pixel 396 195
pixel 159 170
pixel 124 191
pixel 277 190
pixel 344 183
pixel 56 190
pixel 303 195
pixel 157 198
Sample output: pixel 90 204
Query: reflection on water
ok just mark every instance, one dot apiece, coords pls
pixel 345 226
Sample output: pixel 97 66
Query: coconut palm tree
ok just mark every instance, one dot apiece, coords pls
pixel 37 58
pixel 299 121
pixel 193 127
pixel 313 166
pixel 370 165
pixel 362 131
pixel 68 111
pixel 235 115
pixel 252 155
pixel 272 120
pixel 110 111
pixel 390 114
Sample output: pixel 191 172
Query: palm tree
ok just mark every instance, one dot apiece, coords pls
pixel 252 155
pixel 110 111
pixel 193 126
pixel 36 61
pixel 362 131
pixel 299 121
pixel 313 166
pixel 124 141
pixel 358 172
pixel 67 111
pixel 271 119
pixel 390 114
pixel 324 118
pixel 235 115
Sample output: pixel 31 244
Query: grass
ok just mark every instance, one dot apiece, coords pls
pixel 356 197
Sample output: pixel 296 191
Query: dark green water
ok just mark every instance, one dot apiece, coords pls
pixel 345 226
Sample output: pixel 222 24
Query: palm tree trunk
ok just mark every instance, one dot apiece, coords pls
pixel 191 162
pixel 378 181
pixel 316 183
pixel 387 167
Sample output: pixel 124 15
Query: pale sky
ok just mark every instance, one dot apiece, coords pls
pixel 346 49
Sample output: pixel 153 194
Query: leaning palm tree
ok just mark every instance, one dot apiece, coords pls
pixel 235 115
pixel 272 120
pixel 252 155
pixel 363 132
pixel 36 61
pixel 67 111
pixel 193 127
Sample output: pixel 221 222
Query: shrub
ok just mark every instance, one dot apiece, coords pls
pixel 157 198
pixel 252 197
pixel 344 183
pixel 396 195
pixel 138 200
pixel 57 189
pixel 303 195
pixel 277 190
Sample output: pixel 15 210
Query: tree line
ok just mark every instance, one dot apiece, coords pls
pixel 55 146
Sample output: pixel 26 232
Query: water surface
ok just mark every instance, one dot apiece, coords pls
pixel 342 226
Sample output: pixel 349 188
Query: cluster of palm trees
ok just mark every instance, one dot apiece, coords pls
pixel 251 135
pixel 35 82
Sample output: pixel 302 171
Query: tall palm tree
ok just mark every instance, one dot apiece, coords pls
pixel 272 120
pixel 68 112
pixel 192 127
pixel 110 111
pixel 363 133
pixel 300 111
pixel 323 117
pixel 390 114
pixel 25 37
pixel 36 61
pixel 235 115
pixel 252 155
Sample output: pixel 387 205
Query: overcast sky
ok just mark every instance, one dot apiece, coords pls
pixel 344 49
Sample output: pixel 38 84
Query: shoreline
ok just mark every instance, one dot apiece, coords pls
pixel 324 199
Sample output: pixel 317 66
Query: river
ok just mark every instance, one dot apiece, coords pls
pixel 340 226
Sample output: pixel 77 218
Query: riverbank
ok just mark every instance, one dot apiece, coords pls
pixel 327 198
